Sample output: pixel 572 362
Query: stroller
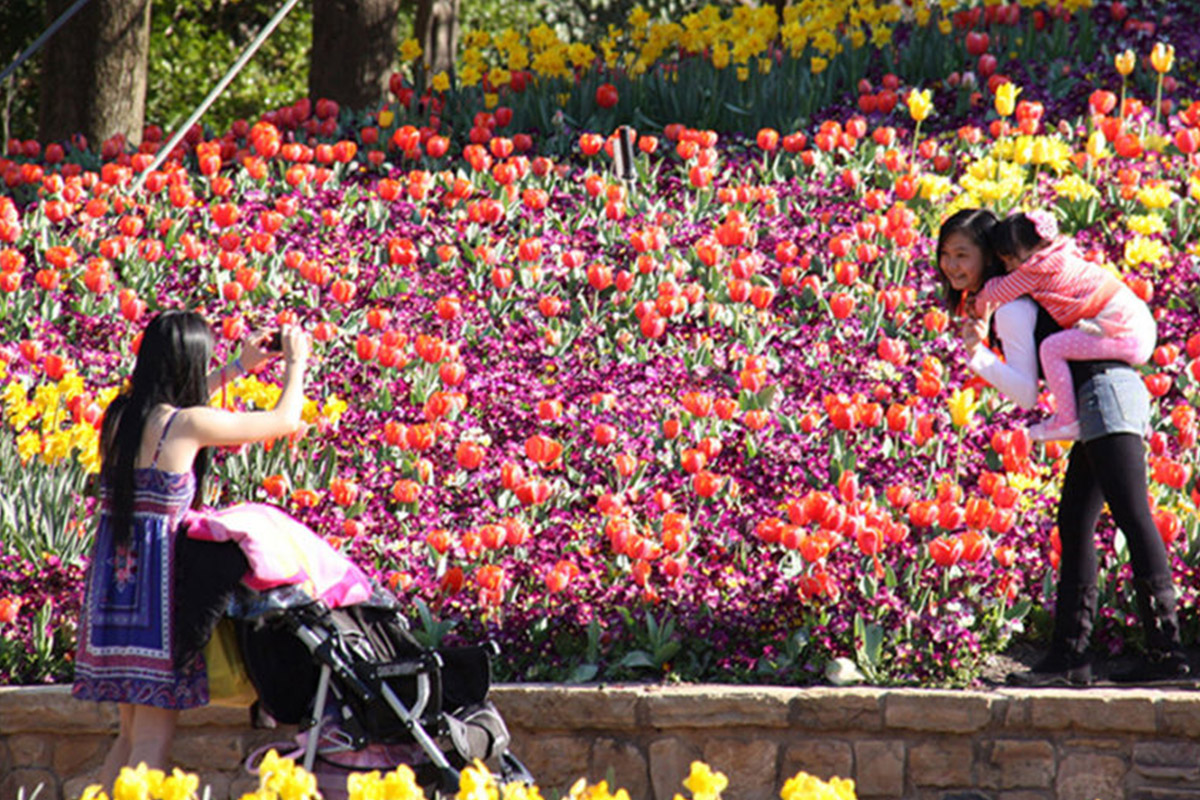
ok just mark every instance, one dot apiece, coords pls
pixel 329 650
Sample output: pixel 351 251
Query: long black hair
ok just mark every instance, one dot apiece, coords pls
pixel 1016 234
pixel 171 369
pixel 978 225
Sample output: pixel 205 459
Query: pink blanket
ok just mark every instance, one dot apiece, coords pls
pixel 282 551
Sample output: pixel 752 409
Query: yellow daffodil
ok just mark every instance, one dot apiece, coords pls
pixel 1156 196
pixel 1124 62
pixel 410 50
pixel 1162 57
pixel 703 783
pixel 440 82
pixel 180 785
pixel 29 444
pixel 818 65
pixel 1141 250
pixel 476 783
pixel 803 786
pixel 1006 98
pixel 920 104
pixel 1146 224
pixel 1074 187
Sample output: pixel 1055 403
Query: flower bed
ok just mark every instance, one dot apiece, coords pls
pixel 708 423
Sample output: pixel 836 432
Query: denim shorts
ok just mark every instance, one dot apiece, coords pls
pixel 1113 401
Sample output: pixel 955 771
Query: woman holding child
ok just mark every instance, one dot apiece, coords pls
pixel 1109 415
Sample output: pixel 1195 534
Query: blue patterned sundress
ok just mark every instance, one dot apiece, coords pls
pixel 125 636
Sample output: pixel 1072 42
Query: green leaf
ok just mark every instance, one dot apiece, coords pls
pixel 637 659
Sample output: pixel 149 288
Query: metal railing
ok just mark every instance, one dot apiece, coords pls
pixel 41 40
pixel 163 152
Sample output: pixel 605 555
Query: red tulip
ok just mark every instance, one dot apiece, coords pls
pixel 606 95
pixel 977 43
pixel 946 551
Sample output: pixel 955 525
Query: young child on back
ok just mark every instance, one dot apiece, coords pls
pixel 1100 316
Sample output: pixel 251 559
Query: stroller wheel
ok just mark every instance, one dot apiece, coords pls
pixel 513 771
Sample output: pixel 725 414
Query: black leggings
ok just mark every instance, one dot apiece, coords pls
pixel 1110 469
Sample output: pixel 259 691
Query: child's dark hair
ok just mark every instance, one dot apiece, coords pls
pixel 171 369
pixel 1016 234
pixel 977 225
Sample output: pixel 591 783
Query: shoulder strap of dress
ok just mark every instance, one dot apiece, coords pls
pixel 162 436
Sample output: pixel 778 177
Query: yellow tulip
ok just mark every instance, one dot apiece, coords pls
pixel 1162 57
pixel 1096 146
pixel 920 104
pixel 1006 98
pixel 1125 61
pixel 962 404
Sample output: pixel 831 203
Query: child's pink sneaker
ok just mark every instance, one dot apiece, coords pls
pixel 1054 431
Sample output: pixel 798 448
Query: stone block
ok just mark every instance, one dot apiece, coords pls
pixel 1168 761
pixel 1018 764
pixel 940 711
pixel 1087 777
pixel 1100 711
pixel 822 758
pixel 218 784
pixel 750 764
pixel 1012 713
pixel 1108 744
pixel 30 750
pixel 1024 795
pixel 622 765
pixel 545 708
pixel 238 786
pixel 941 763
pixel 52 709
pixel 1179 715
pixel 1163 793
pixel 717 707
pixel 72 754
pixel 555 761
pixel 670 763
pixel 72 788
pixel 214 717
pixel 879 768
pixel 27 781
pixel 220 750
pixel 838 710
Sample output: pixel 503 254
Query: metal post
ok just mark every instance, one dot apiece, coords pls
pixel 246 55
pixel 41 40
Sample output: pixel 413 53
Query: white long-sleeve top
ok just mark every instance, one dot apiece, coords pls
pixel 1016 376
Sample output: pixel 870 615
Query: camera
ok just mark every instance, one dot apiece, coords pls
pixel 275 342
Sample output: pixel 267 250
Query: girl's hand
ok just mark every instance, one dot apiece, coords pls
pixel 254 354
pixel 974 335
pixel 296 345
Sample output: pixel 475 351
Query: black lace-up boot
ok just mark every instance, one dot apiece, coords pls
pixel 1068 663
pixel 1164 661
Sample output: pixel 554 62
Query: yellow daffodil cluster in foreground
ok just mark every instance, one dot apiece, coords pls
pixel 281 779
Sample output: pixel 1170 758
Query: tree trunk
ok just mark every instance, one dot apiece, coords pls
pixel 436 28
pixel 354 50
pixel 94 72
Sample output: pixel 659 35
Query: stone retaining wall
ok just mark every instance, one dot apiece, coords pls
pixel 919 744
